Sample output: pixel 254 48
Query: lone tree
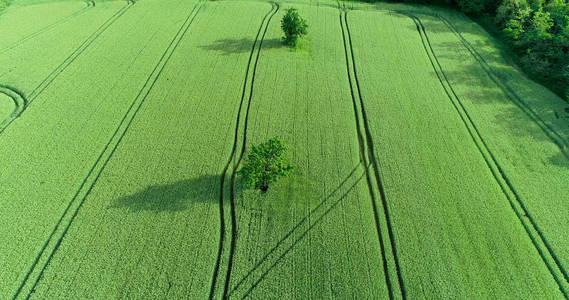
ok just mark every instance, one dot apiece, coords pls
pixel 265 164
pixel 294 26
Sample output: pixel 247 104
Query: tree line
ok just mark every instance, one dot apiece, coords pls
pixel 536 30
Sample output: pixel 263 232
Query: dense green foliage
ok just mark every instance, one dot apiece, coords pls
pixel 265 164
pixel 539 33
pixel 293 26
pixel 536 30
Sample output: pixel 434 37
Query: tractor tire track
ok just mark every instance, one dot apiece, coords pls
pixel 375 164
pixel 243 147
pixel 100 163
pixel 532 229
pixel 19 103
pixel 549 131
pixel 366 147
pixel 254 50
pixel 304 222
pixel 309 224
pixel 89 4
pixel 76 53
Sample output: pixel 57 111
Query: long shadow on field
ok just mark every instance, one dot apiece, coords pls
pixel 172 197
pixel 476 88
pixel 559 160
pixel 473 83
pixel 232 46
pixel 288 242
pixel 480 92
pixel 523 92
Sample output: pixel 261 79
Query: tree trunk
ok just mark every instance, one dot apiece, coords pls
pixel 265 186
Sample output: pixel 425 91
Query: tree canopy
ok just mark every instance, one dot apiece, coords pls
pixel 265 164
pixel 293 26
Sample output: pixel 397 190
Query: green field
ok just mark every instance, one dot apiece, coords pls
pixel 427 166
pixel 6 106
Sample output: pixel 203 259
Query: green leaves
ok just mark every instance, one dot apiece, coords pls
pixel 539 34
pixel 265 164
pixel 514 29
pixel 293 26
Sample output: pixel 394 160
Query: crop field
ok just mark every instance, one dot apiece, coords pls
pixel 426 165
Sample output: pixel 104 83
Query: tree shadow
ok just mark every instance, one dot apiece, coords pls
pixel 230 46
pixel 542 121
pixel 173 197
pixel 477 87
pixel 559 160
pixel 513 112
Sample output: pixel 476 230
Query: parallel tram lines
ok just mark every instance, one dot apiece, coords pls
pixel 366 146
pixel 69 214
pixel 538 239
pixel 63 65
pixel 248 85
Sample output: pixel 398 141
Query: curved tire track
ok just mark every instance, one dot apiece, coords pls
pixel 59 69
pixel 19 103
pixel 366 144
pixel 254 49
pixel 532 229
pixel 93 174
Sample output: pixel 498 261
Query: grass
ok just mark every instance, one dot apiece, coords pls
pixel 442 181
pixel 23 21
pixel 82 130
pixel 25 62
pixel 497 113
pixel 144 204
pixel 426 165
pixel 307 237
pixel 3 5
pixel 6 106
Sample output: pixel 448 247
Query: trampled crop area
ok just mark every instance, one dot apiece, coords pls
pixel 426 166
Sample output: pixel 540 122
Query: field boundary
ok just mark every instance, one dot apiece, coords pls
pixel 254 50
pixel 536 236
pixel 89 4
pixel 100 163
pixel 59 69
pixel 367 146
